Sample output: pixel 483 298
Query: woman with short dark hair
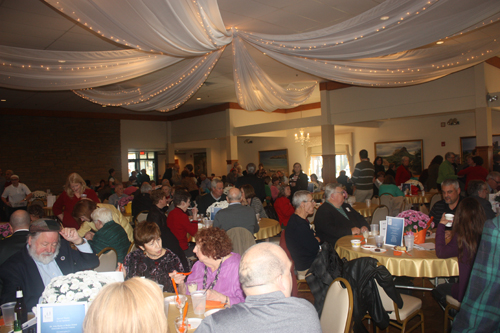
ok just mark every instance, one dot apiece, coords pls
pixel 151 260
pixel 389 187
pixel 298 179
pixel 178 221
pixel 217 268
pixel 248 194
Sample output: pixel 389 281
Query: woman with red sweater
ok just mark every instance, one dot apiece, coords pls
pixel 283 206
pixel 474 172
pixel 178 221
pixel 74 190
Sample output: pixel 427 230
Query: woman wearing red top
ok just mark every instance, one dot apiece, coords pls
pixel 74 189
pixel 178 221
pixel 282 205
pixel 474 172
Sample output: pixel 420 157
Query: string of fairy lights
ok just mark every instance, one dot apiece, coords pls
pixel 207 62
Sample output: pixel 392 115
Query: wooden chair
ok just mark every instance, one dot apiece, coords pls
pixel 337 310
pixel 412 307
pixel 451 304
pixel 38 202
pixel 141 217
pixel 435 198
pixel 132 247
pixel 379 214
pixel 108 259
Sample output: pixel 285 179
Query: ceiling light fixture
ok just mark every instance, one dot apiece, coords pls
pixel 301 139
pixel 384 18
pixel 198 98
pixel 62 61
pixel 3 100
pixel 440 42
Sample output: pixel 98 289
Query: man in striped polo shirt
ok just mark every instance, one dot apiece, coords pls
pixel 363 177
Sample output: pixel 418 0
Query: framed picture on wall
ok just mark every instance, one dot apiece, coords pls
pixel 200 163
pixel 468 145
pixel 393 152
pixel 275 160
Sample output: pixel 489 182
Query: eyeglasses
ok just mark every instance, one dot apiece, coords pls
pixel 312 200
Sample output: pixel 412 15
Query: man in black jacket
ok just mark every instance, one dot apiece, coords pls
pixel 46 256
pixel 20 223
pixel 252 179
pixel 335 218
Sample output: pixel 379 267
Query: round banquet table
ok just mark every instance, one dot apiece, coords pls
pixel 365 211
pixel 419 263
pixel 268 228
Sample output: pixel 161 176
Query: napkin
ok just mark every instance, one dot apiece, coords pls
pixel 214 305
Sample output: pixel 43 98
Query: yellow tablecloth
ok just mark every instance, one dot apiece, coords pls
pixel 361 208
pixel 419 199
pixel 421 263
pixel 318 195
pixel 268 228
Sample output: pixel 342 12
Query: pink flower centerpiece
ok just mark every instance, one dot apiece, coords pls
pixel 5 231
pixel 416 223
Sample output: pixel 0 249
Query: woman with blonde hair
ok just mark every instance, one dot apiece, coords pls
pixel 74 190
pixel 132 306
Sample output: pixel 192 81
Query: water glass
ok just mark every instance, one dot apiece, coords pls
pixel 409 242
pixel 199 299
pixel 368 202
pixel 178 323
pixel 374 228
pixel 379 241
pixel 166 306
pixel 8 313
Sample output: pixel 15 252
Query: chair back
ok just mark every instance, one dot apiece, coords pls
pixel 241 238
pixel 386 200
pixel 435 198
pixel 295 291
pixel 379 214
pixel 424 209
pixel 375 200
pixel 141 217
pixel 387 302
pixel 337 310
pixel 108 259
pixel 38 202
pixel 132 247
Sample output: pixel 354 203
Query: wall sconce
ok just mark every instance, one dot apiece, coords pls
pixel 453 121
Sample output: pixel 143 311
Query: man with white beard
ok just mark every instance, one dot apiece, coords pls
pixel 45 256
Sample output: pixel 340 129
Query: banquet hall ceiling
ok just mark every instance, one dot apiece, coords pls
pixel 36 25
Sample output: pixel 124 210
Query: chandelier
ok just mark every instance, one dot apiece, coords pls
pixel 300 138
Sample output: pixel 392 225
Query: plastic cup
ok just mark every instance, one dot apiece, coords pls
pixel 368 202
pixel 8 313
pixel 84 196
pixel 374 228
pixel 449 217
pixel 166 306
pixel 379 241
pixel 409 242
pixel 161 286
pixel 199 299
pixel 192 287
pixel 355 242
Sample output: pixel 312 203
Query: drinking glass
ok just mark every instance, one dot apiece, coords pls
pixel 366 233
pixel 192 287
pixel 374 228
pixel 181 303
pixel 178 324
pixel 199 299
pixel 409 239
pixel 8 313
pixel 379 241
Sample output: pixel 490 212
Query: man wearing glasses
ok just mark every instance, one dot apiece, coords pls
pixel 336 218
pixel 493 181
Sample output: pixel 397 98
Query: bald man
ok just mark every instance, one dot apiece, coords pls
pixel 20 223
pixel 236 215
pixel 266 280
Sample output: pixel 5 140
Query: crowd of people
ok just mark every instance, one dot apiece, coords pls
pixel 256 286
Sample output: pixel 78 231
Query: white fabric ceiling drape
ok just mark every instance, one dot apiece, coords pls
pixel 363 51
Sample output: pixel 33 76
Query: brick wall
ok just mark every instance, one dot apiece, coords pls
pixel 43 151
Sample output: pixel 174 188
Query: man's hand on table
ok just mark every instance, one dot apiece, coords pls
pixel 363 229
pixel 356 231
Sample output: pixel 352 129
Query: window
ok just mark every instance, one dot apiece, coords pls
pixel 341 163
pixel 147 160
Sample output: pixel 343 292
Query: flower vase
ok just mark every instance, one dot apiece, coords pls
pixel 420 236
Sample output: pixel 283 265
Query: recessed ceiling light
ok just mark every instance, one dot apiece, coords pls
pixel 439 42
pixel 384 18
pixel 103 106
pixel 3 100
pixel 198 98
pixel 62 61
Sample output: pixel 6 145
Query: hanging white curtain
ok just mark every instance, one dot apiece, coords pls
pixel 163 94
pixel 29 69
pixel 255 89
pixel 362 51
pixel 176 27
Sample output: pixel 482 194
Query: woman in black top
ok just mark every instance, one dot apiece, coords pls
pixel 379 164
pixel 298 179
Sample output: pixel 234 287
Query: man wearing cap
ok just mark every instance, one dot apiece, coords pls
pixel 44 257
pixel 17 194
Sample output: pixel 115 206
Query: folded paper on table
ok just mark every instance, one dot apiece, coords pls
pixel 214 305
pixel 425 246
pixel 50 200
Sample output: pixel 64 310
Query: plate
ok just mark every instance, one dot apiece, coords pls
pixel 368 247
pixel 194 322
pixel 376 250
pixel 211 312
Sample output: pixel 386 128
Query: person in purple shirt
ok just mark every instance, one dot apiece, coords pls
pixel 465 237
pixel 217 268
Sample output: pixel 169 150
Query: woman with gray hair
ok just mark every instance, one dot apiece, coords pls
pixel 109 234
pixel 301 240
